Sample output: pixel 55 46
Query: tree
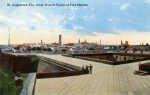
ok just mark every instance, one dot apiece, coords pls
pixel 38 48
pixel 17 48
pixel 34 48
pixel 147 44
pixel 64 50
pixel 147 47
pixel 49 49
pixel 91 48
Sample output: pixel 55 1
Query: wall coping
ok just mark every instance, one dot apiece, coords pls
pixel 28 88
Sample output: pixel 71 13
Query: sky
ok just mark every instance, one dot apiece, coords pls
pixel 108 20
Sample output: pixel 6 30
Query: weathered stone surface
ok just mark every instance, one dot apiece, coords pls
pixel 105 80
pixel 29 85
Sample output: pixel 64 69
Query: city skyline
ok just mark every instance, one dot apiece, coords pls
pixel 111 21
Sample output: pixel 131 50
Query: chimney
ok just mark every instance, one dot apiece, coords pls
pixel 60 43
pixel 79 41
pixel 100 42
pixel 41 42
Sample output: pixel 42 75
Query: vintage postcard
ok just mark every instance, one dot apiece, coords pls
pixel 74 47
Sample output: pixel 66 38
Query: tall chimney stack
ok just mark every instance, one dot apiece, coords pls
pixel 100 42
pixel 41 42
pixel 60 43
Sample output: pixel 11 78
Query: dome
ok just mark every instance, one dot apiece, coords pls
pixel 126 42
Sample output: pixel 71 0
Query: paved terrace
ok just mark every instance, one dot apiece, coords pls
pixel 105 80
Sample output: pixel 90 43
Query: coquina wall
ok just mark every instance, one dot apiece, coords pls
pixel 125 58
pixel 18 63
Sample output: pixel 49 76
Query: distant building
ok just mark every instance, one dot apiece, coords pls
pixel 130 48
pixel 121 42
pixel 79 41
pixel 124 45
pixel 60 40
pixel 69 44
pixel 55 44
pixel 41 42
pixel 100 42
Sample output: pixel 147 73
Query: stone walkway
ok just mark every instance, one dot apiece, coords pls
pixel 105 80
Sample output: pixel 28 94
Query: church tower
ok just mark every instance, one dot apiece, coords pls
pixel 79 41
pixel 121 42
pixel 100 42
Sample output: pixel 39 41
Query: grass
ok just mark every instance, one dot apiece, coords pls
pixel 7 82
pixel 33 59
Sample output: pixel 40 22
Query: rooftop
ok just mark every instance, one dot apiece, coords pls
pixel 105 80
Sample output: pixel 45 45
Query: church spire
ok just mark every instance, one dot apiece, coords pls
pixel 79 40
pixel 121 42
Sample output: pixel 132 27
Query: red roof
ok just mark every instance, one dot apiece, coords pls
pixel 41 46
pixel 141 47
pixel 27 46
pixel 68 47
pixel 130 47
pixel 50 46
pixel 98 47
pixel 84 42
pixel 55 43
pixel 83 46
pixel 66 44
pixel 69 44
pixel 20 46
pixel 53 46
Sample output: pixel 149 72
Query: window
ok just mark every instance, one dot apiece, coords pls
pixel 124 58
pixel 116 57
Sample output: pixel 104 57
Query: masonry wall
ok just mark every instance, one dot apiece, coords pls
pixel 102 57
pixel 49 67
pixel 18 63
pixel 59 74
pixel 124 58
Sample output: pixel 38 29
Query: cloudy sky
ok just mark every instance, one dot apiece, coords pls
pixel 108 20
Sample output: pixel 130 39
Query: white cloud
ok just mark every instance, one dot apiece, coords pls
pixel 109 19
pixel 88 17
pixel 71 18
pixel 85 7
pixel 24 29
pixel 77 27
pixel 10 20
pixel 85 18
pixel 34 20
pixel 41 16
pixel 37 17
pixel 124 6
pixel 147 1
pixel 58 21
